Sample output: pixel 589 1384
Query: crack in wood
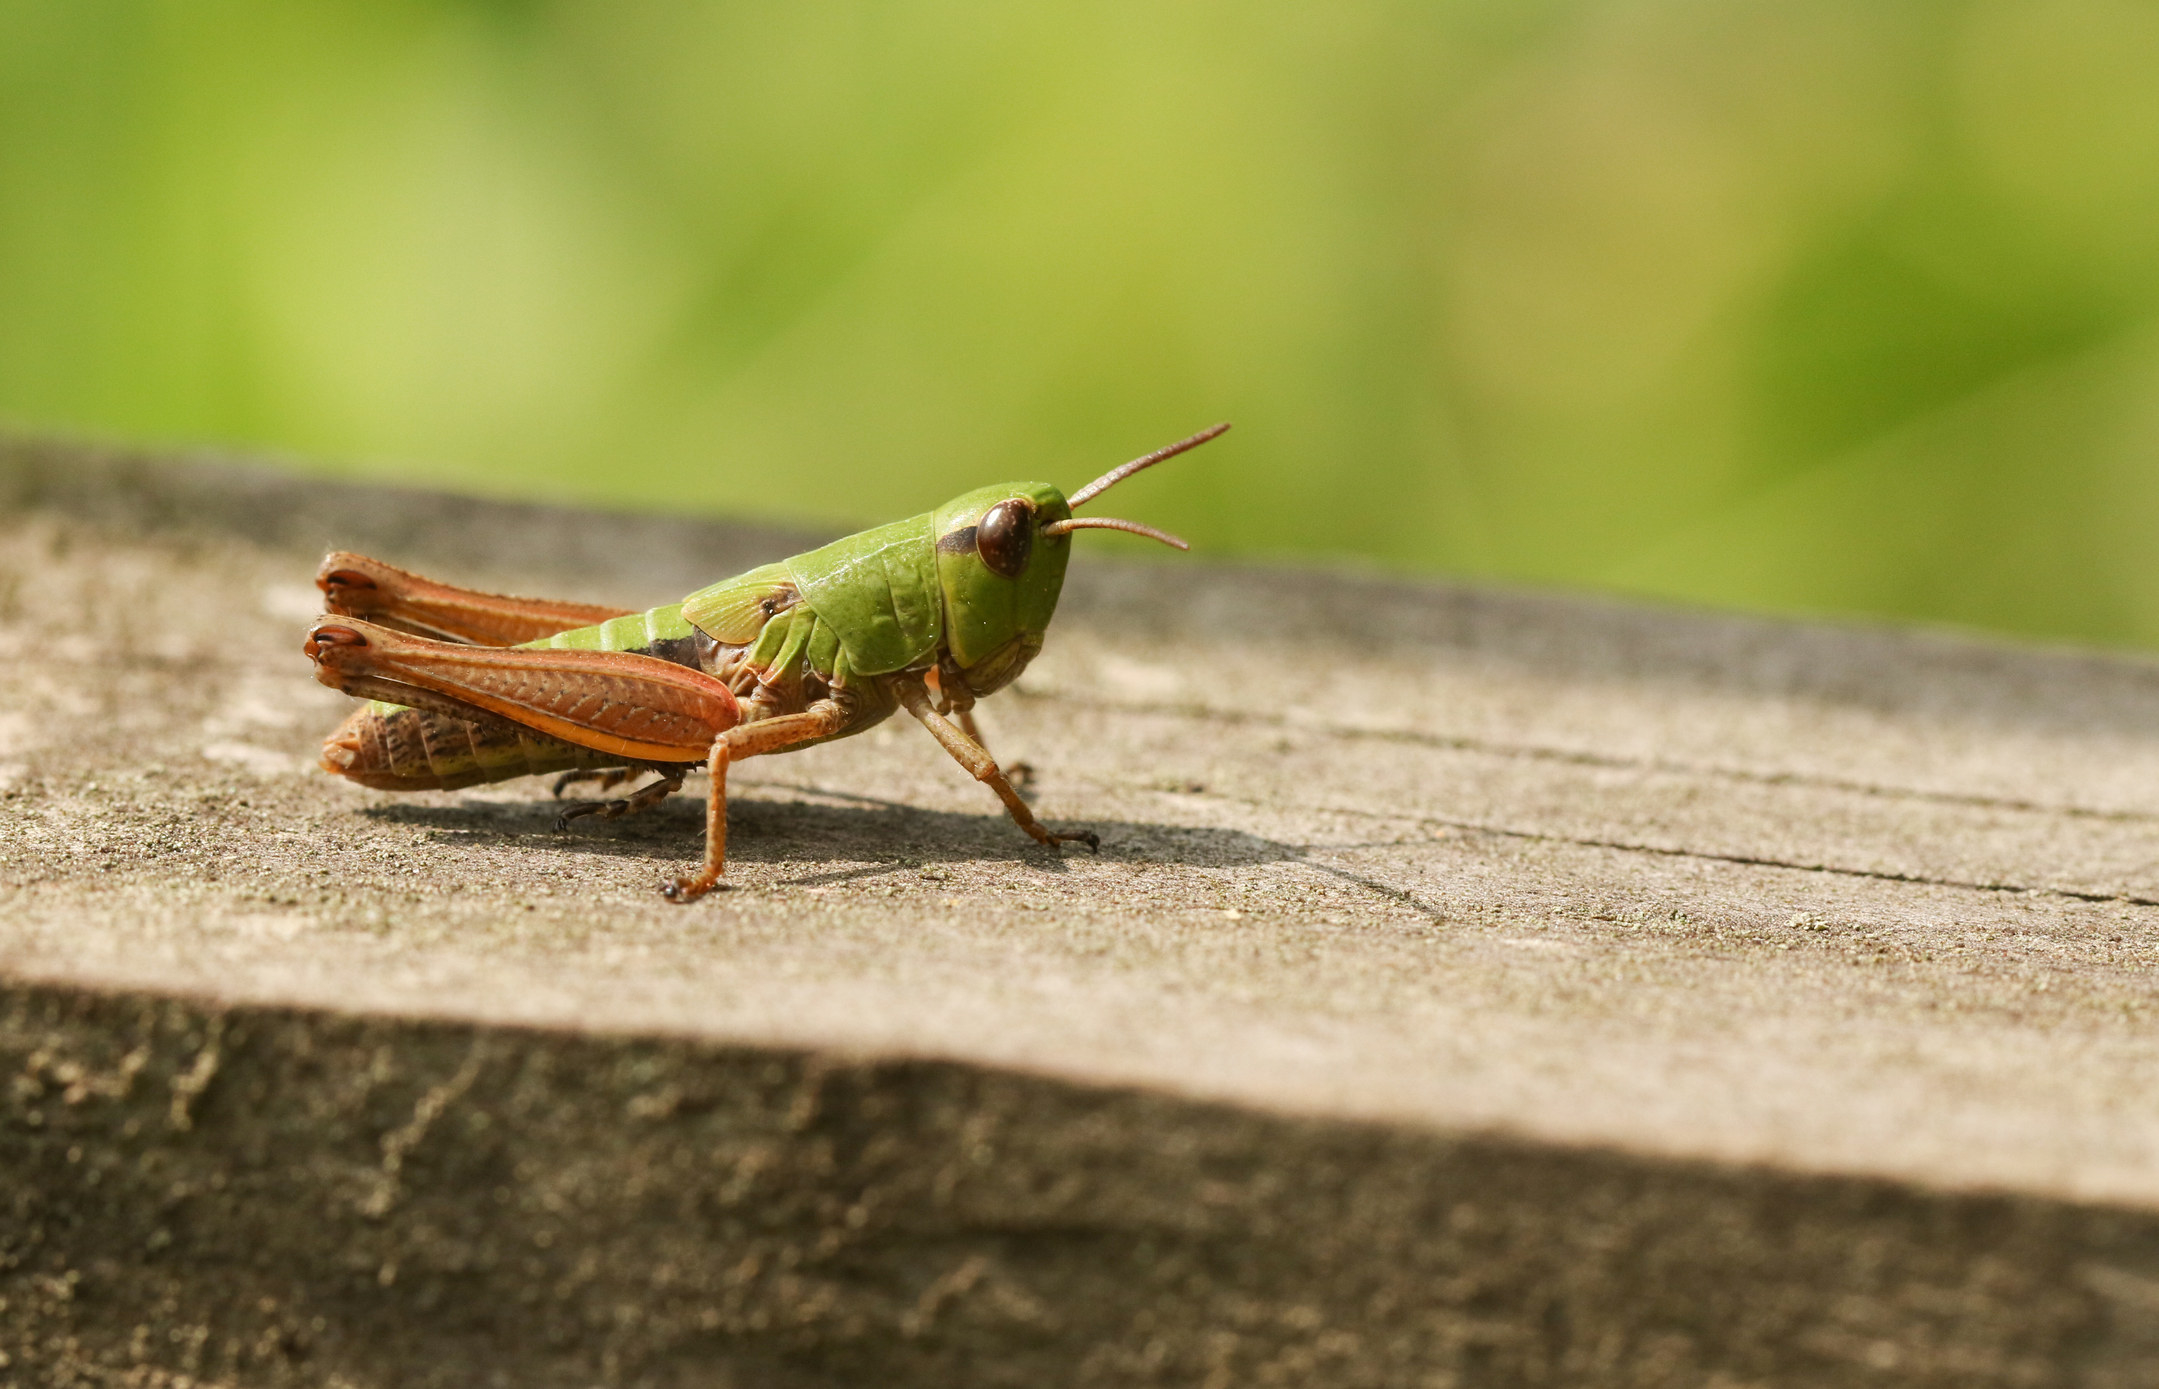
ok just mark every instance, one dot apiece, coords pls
pixel 1885 875
pixel 1531 752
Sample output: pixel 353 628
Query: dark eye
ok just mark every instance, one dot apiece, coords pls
pixel 1005 536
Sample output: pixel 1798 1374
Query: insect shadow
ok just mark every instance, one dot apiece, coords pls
pixel 854 837
pixel 866 834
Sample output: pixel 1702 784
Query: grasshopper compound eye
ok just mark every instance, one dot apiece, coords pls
pixel 1005 536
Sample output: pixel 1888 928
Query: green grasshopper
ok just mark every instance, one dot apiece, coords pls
pixel 927 615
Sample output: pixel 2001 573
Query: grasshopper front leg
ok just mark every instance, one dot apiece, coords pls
pixel 1020 774
pixel 953 698
pixel 915 698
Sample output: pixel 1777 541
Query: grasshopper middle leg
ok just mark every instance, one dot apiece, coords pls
pixel 822 719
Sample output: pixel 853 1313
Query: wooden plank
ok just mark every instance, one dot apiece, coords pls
pixel 1665 890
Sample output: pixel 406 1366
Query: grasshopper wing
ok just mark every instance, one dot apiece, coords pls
pixel 735 610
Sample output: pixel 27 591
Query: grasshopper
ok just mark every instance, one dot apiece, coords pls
pixel 928 614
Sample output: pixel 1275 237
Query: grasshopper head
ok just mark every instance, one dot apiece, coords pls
pixel 1000 573
pixel 1001 554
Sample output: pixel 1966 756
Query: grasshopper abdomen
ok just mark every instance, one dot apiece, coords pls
pixel 394 748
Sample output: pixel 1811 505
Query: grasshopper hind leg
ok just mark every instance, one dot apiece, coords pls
pixel 608 777
pixel 357 586
pixel 643 798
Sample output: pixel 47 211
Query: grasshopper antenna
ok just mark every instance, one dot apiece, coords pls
pixel 1111 523
pixel 1116 475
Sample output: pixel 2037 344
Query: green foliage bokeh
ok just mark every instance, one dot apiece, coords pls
pixel 1833 307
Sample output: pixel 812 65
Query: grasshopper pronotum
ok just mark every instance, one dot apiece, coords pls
pixel 927 615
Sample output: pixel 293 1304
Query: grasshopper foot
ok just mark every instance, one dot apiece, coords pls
pixel 1092 840
pixel 644 798
pixel 683 891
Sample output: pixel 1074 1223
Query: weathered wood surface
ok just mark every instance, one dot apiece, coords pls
pixel 1840 938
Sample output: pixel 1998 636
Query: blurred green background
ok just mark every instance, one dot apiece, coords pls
pixel 1823 306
